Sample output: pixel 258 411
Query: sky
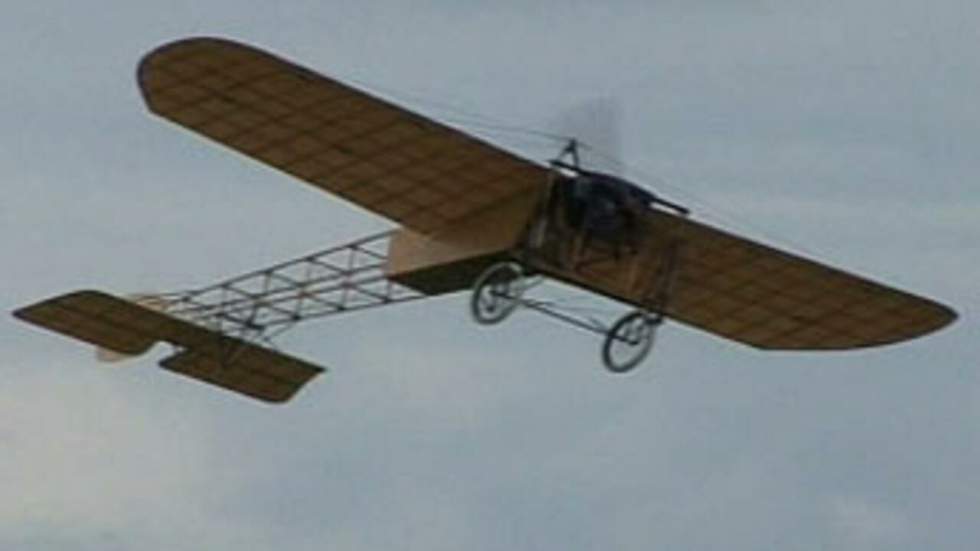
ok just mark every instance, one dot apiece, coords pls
pixel 846 131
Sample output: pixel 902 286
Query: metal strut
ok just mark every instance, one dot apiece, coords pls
pixel 658 297
pixel 340 279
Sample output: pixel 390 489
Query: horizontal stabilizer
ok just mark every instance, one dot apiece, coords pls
pixel 251 370
pixel 154 302
pixel 126 327
pixel 96 318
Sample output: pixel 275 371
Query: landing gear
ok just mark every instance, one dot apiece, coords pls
pixel 502 287
pixel 629 341
pixel 497 293
pixel 551 246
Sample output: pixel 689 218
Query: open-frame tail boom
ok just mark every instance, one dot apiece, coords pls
pixel 223 333
pixel 261 304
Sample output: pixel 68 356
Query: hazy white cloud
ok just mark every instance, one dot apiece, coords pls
pixel 87 457
pixel 865 525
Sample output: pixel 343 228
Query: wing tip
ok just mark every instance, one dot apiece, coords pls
pixel 24 313
pixel 160 53
pixel 940 317
pixel 945 316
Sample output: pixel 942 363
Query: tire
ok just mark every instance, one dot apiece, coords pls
pixel 634 334
pixel 497 293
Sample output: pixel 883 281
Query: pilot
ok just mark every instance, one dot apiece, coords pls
pixel 610 211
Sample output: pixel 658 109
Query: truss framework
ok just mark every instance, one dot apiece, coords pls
pixel 262 304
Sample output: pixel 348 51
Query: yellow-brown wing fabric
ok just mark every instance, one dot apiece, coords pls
pixel 128 328
pixel 87 316
pixel 386 159
pixel 755 294
pixel 244 368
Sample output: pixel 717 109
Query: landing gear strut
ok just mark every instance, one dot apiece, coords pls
pixel 629 341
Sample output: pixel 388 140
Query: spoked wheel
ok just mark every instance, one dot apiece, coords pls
pixel 497 292
pixel 629 341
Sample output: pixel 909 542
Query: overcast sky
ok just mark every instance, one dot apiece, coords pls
pixel 846 130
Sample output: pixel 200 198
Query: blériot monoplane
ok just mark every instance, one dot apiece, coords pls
pixel 470 216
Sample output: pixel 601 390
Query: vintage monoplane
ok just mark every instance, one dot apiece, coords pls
pixel 472 217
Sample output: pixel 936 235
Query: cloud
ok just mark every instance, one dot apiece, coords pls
pixel 865 525
pixel 86 454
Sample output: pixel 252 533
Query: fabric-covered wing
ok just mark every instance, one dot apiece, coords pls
pixel 128 328
pixel 386 159
pixel 767 298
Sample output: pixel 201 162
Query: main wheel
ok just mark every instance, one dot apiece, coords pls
pixel 497 292
pixel 629 341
